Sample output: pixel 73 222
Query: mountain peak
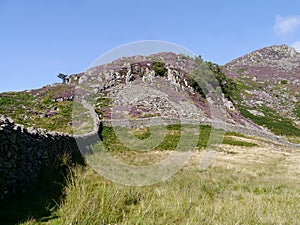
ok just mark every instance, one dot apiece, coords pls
pixel 279 50
pixel 282 57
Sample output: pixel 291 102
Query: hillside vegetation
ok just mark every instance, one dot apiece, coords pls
pixel 270 103
pixel 49 107
pixel 268 82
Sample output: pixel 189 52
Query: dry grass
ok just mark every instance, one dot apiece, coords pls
pixel 244 185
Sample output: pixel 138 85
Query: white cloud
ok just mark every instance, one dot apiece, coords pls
pixel 286 25
pixel 296 46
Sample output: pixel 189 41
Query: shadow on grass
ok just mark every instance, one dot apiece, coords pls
pixel 42 197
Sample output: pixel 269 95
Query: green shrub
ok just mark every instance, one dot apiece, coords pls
pixel 159 68
pixel 297 112
pixel 277 124
pixel 231 141
pixel 283 82
pixel 228 85
pixel 195 85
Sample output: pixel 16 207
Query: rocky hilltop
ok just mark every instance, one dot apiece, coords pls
pixel 269 80
pixel 146 86
pixel 280 61
pixel 159 85
pixel 259 91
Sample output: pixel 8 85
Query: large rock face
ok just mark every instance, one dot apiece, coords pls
pixel 130 86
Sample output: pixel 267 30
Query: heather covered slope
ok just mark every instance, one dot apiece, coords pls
pixel 268 80
pixel 51 107
pixel 260 91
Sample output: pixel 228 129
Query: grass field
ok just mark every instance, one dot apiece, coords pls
pixel 251 181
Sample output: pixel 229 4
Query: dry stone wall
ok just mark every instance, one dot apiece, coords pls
pixel 23 152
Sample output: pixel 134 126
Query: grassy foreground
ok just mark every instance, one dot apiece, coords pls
pixel 217 196
pixel 246 184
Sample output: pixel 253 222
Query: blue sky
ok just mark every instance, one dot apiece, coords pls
pixel 39 39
